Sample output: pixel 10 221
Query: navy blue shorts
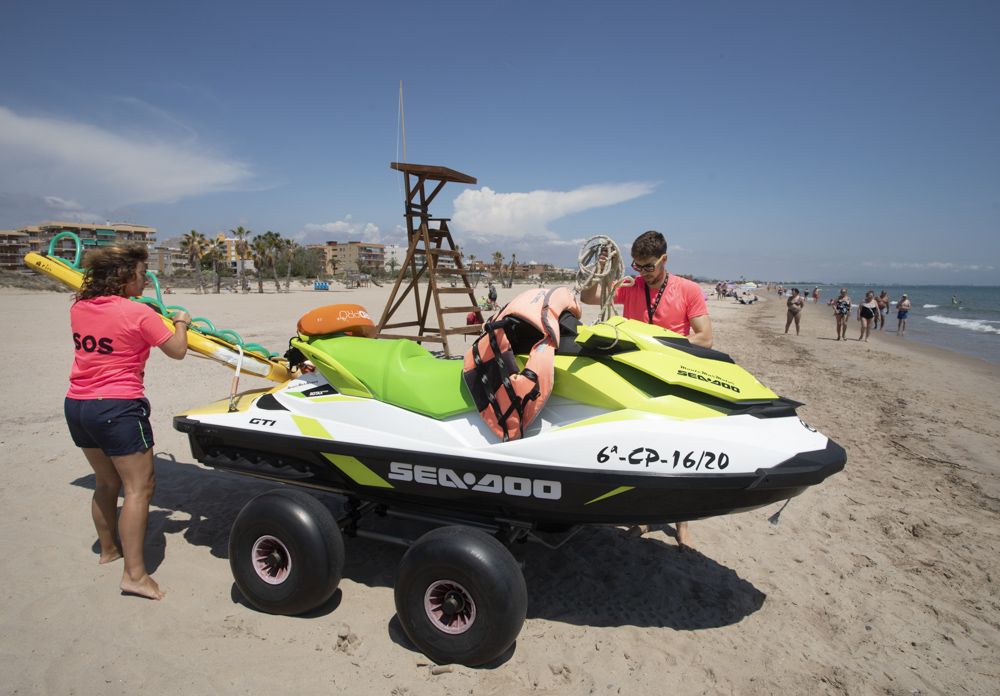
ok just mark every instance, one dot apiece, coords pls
pixel 116 426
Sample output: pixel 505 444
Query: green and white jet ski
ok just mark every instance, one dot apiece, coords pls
pixel 641 427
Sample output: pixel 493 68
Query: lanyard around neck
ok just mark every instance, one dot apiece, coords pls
pixel 651 306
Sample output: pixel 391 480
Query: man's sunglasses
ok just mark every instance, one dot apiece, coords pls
pixel 645 267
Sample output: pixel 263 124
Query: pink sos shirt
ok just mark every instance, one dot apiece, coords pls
pixel 112 337
pixel 682 300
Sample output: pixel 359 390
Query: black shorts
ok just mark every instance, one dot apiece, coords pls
pixel 116 426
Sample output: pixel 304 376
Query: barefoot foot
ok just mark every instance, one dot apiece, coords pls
pixel 109 556
pixel 143 587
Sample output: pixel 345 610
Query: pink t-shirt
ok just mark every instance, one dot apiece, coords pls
pixel 682 300
pixel 112 337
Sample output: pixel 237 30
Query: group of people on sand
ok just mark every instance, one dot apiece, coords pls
pixel 872 313
pixel 780 289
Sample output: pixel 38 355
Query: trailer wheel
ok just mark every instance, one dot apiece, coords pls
pixel 286 552
pixel 460 596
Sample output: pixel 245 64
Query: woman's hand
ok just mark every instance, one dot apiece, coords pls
pixel 176 346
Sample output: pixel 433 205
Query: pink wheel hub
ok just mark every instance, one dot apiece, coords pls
pixel 271 560
pixel 450 607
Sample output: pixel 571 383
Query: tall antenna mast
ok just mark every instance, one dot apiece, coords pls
pixel 402 117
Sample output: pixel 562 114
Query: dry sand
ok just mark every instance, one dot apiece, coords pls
pixel 882 580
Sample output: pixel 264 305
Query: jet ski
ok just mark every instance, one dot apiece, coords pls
pixel 641 427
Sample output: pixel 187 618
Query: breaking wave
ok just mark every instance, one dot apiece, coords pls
pixel 980 325
pixel 931 306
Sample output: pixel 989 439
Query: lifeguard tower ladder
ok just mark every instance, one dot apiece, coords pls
pixel 430 250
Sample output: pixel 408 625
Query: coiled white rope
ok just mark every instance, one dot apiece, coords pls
pixel 609 278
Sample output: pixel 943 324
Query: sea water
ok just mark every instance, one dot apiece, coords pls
pixel 970 324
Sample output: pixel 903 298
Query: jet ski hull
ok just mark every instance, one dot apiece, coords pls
pixel 500 489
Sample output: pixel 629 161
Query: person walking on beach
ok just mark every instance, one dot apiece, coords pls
pixel 816 295
pixel 841 311
pixel 795 304
pixel 105 407
pixel 883 310
pixel 492 296
pixel 663 299
pixel 902 311
pixel 867 313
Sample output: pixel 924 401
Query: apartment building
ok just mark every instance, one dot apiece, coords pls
pixel 351 256
pixel 14 244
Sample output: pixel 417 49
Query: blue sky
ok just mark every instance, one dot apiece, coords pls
pixel 837 142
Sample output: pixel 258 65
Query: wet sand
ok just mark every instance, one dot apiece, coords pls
pixel 882 580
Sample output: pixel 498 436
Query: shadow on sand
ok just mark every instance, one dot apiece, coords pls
pixel 600 577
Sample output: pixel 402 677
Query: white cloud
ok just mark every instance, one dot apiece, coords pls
pixel 484 213
pixel 347 230
pixel 72 161
pixel 60 203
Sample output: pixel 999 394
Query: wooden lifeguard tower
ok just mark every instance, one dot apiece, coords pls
pixel 431 251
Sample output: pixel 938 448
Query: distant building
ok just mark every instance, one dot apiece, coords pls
pixel 13 247
pixel 165 261
pixel 394 252
pixel 533 269
pixel 232 259
pixel 351 256
pixel 14 244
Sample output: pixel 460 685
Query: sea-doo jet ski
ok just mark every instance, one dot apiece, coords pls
pixel 641 426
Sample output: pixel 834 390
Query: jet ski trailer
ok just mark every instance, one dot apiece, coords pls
pixel 642 427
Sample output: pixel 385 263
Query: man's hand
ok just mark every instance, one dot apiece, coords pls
pixel 589 294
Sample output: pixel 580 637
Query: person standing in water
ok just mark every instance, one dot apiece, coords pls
pixel 795 304
pixel 106 409
pixel 663 299
pixel 902 312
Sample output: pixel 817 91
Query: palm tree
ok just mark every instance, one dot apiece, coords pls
pixel 217 253
pixel 274 246
pixel 472 260
pixel 498 261
pixel 195 245
pixel 332 263
pixel 242 247
pixel 290 246
pixel 259 253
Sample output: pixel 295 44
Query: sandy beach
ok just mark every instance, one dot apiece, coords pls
pixel 883 580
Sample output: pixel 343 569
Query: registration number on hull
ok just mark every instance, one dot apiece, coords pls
pixel 644 456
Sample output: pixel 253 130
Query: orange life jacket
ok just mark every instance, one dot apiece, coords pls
pixel 508 399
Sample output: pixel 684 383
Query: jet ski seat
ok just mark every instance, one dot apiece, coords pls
pixel 340 341
pixel 396 371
